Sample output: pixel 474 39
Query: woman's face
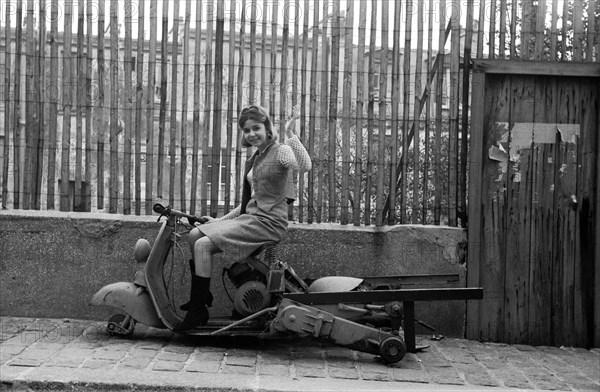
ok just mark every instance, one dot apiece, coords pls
pixel 255 133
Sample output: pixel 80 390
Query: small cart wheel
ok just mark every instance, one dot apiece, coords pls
pixel 120 325
pixel 392 349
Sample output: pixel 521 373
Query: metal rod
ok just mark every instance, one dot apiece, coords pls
pixel 242 321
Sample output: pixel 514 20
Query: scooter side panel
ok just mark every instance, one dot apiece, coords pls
pixel 130 298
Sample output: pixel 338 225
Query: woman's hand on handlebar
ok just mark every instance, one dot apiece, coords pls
pixel 206 219
pixel 200 220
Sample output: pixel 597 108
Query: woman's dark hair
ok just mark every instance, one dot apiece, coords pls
pixel 260 114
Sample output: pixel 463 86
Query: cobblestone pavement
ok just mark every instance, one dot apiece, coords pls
pixel 77 352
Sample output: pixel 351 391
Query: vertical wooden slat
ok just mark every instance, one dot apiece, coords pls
pixel 527 13
pixel 487 222
pixel 587 188
pixel 475 202
pixel 114 108
pixel 428 97
pixel 540 26
pixel 218 107
pixel 360 80
pixel 439 91
pixel 284 87
pixel 7 106
pixel 502 45
pixel 391 201
pixel 481 31
pixel 324 104
pixel 303 97
pixel 312 109
pixel 283 74
pixel 183 149
pixel 493 28
pixel 16 120
pixel 591 31
pixel 89 116
pixel 240 97
pixel 382 123
pixel 564 30
pixel 333 108
pixel 230 95
pixel 406 110
pixel 100 124
pixel 346 110
pixel 139 105
pixel 263 53
pixel 252 65
pixel 196 112
pixel 273 63
pixel 150 157
pixel 79 89
pixel 518 229
pixel 540 291
pixel 554 31
pixel 596 236
pixel 370 113
pixel 30 109
pixel 578 33
pixel 583 156
pixel 513 29
pixel 466 73
pixel 67 102
pixel 40 139
pixel 453 132
pixel 164 54
pixel 127 109
pixel 566 268
pixel 173 198
pixel 416 204
pixel 598 24
pixel 206 124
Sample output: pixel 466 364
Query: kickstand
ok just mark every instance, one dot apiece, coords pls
pixel 242 321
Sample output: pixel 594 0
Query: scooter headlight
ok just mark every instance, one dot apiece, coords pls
pixel 141 250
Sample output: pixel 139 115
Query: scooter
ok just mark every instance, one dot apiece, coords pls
pixel 267 299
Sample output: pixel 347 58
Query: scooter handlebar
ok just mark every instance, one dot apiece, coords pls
pixel 162 210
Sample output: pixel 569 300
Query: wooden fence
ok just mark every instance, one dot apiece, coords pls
pixel 108 106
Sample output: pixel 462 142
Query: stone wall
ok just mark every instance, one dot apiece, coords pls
pixel 53 262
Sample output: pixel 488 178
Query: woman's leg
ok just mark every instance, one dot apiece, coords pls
pixel 194 235
pixel 203 252
pixel 200 295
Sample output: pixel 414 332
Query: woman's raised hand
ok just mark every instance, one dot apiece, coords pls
pixel 290 125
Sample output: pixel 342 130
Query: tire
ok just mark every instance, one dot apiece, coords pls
pixel 392 349
pixel 120 325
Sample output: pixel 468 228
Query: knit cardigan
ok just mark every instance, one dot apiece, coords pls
pixel 274 166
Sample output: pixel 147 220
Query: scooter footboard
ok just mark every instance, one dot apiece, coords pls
pixel 308 321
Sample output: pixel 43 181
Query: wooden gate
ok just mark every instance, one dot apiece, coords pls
pixel 533 203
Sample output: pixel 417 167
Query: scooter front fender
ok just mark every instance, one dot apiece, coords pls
pixel 130 298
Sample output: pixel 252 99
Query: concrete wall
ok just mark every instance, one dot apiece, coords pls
pixel 53 262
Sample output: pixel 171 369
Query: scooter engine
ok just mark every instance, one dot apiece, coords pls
pixel 251 297
pixel 252 294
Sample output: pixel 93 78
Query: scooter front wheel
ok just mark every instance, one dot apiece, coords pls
pixel 120 325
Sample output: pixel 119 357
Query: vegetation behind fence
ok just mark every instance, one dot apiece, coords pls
pixel 108 106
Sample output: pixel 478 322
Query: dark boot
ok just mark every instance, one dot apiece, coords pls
pixel 209 301
pixel 197 314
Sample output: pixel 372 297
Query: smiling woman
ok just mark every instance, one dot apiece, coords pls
pixel 260 219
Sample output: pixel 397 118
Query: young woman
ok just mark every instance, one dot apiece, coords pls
pixel 261 217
